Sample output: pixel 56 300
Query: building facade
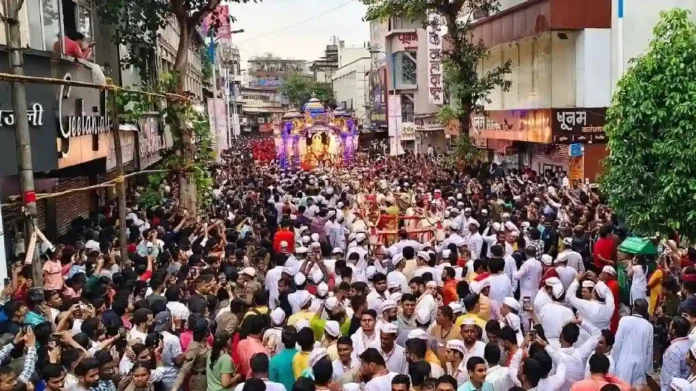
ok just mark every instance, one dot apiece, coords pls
pixel 403 71
pixel 351 80
pixel 561 85
pixel 324 68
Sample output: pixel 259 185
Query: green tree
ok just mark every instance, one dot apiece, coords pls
pixel 136 25
pixel 298 89
pixel 650 173
pixel 467 88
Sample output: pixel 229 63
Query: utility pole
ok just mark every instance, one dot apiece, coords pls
pixel 120 182
pixel 22 136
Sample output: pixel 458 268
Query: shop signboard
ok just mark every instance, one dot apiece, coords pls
pixel 150 142
pixel 428 124
pixel 514 125
pixel 435 68
pixel 579 125
pixel 408 131
pixel 127 148
pixel 41 108
pixel 378 102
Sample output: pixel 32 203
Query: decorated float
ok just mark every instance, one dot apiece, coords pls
pixel 315 137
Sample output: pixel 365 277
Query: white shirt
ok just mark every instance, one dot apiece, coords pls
pixel 179 310
pixel 511 269
pixel 453 238
pixel 633 360
pixel 270 386
pixel 375 300
pixel 362 342
pixel 475 244
pixel 427 301
pixel 135 334
pixel 398 247
pixel 476 351
pixel 611 365
pixel 576 358
pixel 271 283
pixel 294 302
pixel 499 378
pixel 339 369
pixel 381 383
pixel 460 373
pixel 396 360
pixel 550 383
pixel 566 274
pixel 574 260
pixel 397 277
pixel 553 317
pixel 500 288
pixel 529 276
pixel 597 313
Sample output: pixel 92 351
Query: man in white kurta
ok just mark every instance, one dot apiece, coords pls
pixel 394 355
pixel 633 349
pixel 529 275
pixel 595 312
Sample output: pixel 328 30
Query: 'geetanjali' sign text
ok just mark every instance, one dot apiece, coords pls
pixel 79 124
pixel 435 86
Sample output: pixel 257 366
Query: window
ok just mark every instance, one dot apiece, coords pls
pixel 44 30
pixel 407 107
pixel 84 21
pixel 406 67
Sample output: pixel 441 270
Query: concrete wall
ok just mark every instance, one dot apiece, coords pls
pixel 639 21
pixel 350 82
pixel 568 69
pixel 347 55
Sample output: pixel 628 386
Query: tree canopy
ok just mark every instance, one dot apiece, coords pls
pixel 298 89
pixel 650 177
pixel 468 89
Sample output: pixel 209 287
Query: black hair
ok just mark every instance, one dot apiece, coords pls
pixel 532 371
pixel 608 337
pixel 419 371
pixel 470 301
pixel 52 371
pixel 372 356
pixel 449 380
pixel 259 363
pixel 323 371
pixel 417 347
pixel 402 379
pixel 345 341
pixel 680 327
pixel 85 365
pixel 254 384
pixel 289 337
pixel 492 354
pixel 371 313
pixel 570 333
pixel 473 362
pixel 599 363
pixel 222 339
pixel 301 384
pixel 305 338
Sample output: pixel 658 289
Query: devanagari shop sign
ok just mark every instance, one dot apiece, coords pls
pixel 34 115
pixel 435 68
pixel 579 125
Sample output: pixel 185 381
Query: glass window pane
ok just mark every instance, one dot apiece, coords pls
pixel 84 17
pixel 51 23
pixel 407 109
pixel 36 40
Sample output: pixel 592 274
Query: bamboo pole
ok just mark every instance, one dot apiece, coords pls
pixel 73 83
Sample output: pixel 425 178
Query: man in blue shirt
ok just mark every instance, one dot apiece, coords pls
pixel 280 368
pixel 476 366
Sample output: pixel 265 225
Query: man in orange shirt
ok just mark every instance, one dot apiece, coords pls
pixel 449 290
pixel 284 235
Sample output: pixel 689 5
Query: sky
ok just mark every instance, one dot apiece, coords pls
pixel 298 29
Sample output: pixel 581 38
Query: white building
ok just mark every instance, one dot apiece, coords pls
pixel 351 80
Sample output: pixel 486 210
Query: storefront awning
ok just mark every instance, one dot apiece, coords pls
pixel 127 128
pixel 255 110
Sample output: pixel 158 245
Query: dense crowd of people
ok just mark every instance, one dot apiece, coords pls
pixel 395 274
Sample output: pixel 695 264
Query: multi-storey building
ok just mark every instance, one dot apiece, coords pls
pixel 324 68
pixel 351 80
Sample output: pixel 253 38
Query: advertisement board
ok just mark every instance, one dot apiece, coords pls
pixel 378 112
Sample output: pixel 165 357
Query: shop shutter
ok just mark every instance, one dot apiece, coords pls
pixel 11 215
pixel 545 155
pixel 73 205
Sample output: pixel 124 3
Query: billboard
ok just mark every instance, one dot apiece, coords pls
pixel 378 98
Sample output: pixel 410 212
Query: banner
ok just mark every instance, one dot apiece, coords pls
pixel 378 102
pixel 435 84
